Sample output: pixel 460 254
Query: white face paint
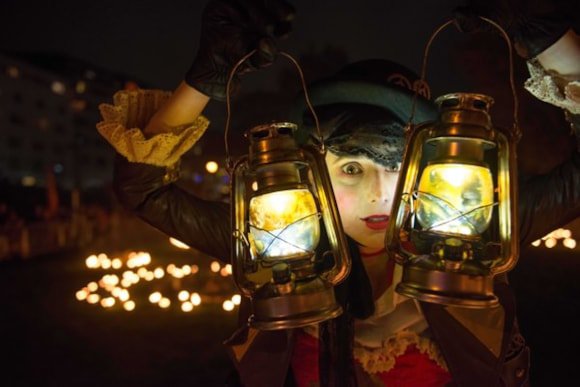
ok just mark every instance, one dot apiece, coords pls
pixel 364 191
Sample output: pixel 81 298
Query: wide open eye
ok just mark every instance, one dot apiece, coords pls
pixel 352 169
pixel 396 167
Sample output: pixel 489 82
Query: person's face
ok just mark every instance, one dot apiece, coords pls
pixel 364 192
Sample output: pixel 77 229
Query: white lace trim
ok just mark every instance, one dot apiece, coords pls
pixel 131 111
pixel 383 359
pixel 544 87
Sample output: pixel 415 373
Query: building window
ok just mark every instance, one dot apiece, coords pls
pixel 78 105
pixel 81 87
pixel 58 87
pixel 13 71
pixel 90 74
pixel 43 123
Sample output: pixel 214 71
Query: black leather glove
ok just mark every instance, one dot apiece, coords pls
pixel 533 25
pixel 229 30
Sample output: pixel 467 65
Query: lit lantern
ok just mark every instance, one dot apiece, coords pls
pixel 289 249
pixel 288 246
pixel 454 217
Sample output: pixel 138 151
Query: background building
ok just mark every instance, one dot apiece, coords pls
pixel 48 110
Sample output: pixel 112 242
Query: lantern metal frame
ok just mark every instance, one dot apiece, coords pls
pixel 294 291
pixel 426 276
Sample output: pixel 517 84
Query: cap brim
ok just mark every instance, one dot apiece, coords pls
pixel 397 100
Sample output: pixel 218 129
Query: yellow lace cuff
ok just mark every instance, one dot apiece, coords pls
pixel 543 86
pixel 375 360
pixel 131 111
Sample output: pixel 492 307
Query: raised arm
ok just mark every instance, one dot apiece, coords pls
pixel 151 130
pixel 542 35
pixel 549 201
pixel 181 108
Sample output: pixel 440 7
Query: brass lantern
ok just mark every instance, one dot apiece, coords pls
pixel 288 246
pixel 282 206
pixel 454 217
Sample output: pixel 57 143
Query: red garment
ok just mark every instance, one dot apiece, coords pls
pixel 415 369
pixel 412 369
pixel 304 360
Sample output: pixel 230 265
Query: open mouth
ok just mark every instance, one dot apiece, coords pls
pixel 376 222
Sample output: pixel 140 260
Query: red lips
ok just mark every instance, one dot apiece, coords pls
pixel 376 222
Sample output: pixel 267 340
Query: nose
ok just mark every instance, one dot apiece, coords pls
pixel 383 187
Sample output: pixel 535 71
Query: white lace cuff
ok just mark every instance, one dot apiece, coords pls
pixel 543 86
pixel 131 111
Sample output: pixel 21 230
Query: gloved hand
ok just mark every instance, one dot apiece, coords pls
pixel 229 30
pixel 533 25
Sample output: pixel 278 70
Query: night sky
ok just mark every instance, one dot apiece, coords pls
pixel 155 41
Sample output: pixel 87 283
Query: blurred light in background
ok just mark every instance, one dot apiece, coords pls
pixel 155 297
pixel 228 305
pixel 111 290
pixel 164 303
pixel 178 243
pixel 551 240
pixel 215 266
pixel 81 87
pixel 58 87
pixel 211 166
pixel 28 181
pixel 129 306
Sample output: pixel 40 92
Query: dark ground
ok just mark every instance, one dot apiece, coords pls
pixel 48 338
pixel 51 339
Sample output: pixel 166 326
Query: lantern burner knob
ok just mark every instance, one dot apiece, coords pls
pixel 453 252
pixel 282 278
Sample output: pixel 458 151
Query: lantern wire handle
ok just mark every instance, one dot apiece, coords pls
pixel 516 125
pixel 233 71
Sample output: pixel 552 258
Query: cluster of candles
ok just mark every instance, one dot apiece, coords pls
pixel 117 287
pixel 551 240
pixel 113 289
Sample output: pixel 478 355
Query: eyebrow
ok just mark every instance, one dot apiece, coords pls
pixel 351 157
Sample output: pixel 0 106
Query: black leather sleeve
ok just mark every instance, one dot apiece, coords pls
pixel 546 202
pixel 201 224
pixel 549 201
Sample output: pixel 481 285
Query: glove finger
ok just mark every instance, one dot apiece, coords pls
pixel 468 21
pixel 265 54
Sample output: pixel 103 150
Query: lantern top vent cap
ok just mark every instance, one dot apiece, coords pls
pixel 272 130
pixel 464 101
